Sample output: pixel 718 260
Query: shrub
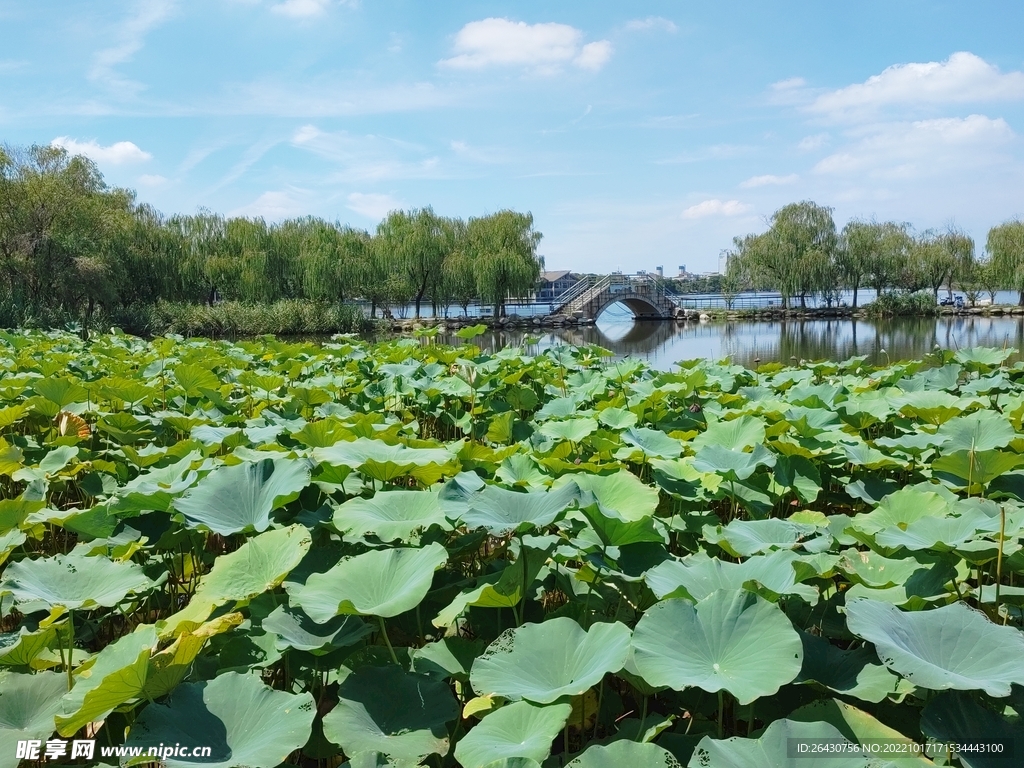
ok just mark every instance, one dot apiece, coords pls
pixel 902 303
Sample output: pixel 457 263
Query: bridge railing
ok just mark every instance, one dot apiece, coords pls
pixel 571 293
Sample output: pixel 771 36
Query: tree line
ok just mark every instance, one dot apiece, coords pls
pixel 69 241
pixel 804 254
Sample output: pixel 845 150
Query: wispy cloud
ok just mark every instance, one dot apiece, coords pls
pixel 544 48
pixel 276 205
pixel 651 22
pixel 300 9
pixel 811 143
pixel 129 39
pixel 367 158
pixel 962 78
pixel 373 205
pixel 715 208
pixel 118 153
pixel 768 180
pixel 922 147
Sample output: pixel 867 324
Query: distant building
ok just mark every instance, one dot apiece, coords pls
pixel 723 262
pixel 551 285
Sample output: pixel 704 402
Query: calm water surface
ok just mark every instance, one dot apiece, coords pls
pixel 665 343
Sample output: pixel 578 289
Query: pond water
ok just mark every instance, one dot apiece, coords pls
pixel 749 342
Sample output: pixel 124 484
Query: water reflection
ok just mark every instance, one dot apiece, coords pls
pixel 744 341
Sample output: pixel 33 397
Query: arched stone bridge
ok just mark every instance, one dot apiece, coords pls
pixel 646 296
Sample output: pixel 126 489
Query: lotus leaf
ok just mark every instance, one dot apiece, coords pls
pixel 73 581
pixel 28 704
pixel 383 582
pixel 243 721
pixel 239 498
pixel 625 753
pixel 772 750
pixel 397 713
pixel 516 730
pixel 732 640
pixel 948 647
pixel 391 516
pixel 620 495
pixel 543 662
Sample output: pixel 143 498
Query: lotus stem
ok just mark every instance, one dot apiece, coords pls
pixel 999 556
pixel 387 640
pixel 721 713
pixel 643 719
pixel 71 649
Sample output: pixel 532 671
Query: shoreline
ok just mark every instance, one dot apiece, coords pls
pixel 764 314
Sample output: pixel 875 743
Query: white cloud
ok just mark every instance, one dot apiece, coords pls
pixel 300 9
pixel 651 22
pixel 962 78
pixel 275 206
pixel 789 84
pixel 152 180
pixel 544 48
pixel 117 153
pixel 373 205
pixel 768 180
pixel 905 149
pixel 811 143
pixel 367 158
pixel 129 37
pixel 715 208
pixel 593 56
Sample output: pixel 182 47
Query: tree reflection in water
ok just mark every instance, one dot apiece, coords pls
pixel 664 343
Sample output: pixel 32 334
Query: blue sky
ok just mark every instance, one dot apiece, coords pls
pixel 638 134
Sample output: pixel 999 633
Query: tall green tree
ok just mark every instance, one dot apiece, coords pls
pixel 503 248
pixel 415 243
pixel 872 253
pixel 1005 245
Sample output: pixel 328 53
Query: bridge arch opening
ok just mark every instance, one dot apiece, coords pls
pixel 629 308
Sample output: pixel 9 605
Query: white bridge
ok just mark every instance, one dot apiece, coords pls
pixel 647 296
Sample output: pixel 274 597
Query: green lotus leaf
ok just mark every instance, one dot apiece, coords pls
pixel 573 430
pixel 739 433
pixel 621 494
pixel 501 511
pixel 503 589
pixel 697 576
pixel 9 541
pixel 873 570
pixel 930 406
pixel 516 730
pixel 956 718
pixel 617 418
pixel 743 538
pixel 390 515
pixel 976 467
pixel 949 647
pixel 13 512
pixel 73 581
pixel 450 657
pixel 520 469
pixel 978 431
pixel 243 721
pixel 194 379
pixel 383 582
pixel 115 675
pixel 855 673
pixel 514 762
pixel 652 442
pixel 261 563
pixel 557 408
pixel 471 331
pixel 731 464
pixel 902 508
pixel 772 750
pixel 397 713
pixel 358 452
pixel 61 392
pixel 938 533
pixel 733 640
pixel 294 629
pixel 625 753
pixel 27 706
pixel 238 498
pixel 979 358
pixel 21 648
pixel 543 662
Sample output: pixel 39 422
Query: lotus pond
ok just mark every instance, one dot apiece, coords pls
pixel 404 554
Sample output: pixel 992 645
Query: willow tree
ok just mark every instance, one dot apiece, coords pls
pixel 872 253
pixel 1005 246
pixel 202 242
pixel 503 248
pixel 414 242
pixel 332 259
pixel 941 257
pixel 796 256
